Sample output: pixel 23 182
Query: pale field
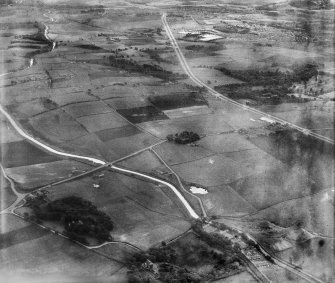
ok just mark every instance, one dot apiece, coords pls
pixel 127 145
pixel 212 171
pixel 201 124
pixel 10 223
pixel 232 142
pixel 8 133
pixel 222 200
pixel 87 108
pixel 187 111
pixel 145 161
pixel 128 102
pixel 100 122
pixel 32 176
pixel 174 154
pixel 57 126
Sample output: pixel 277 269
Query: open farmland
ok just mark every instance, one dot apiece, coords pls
pixel 106 81
pixel 33 176
pixel 143 215
pixel 22 153
pixel 31 252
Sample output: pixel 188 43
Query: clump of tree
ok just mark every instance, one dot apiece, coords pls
pixel 149 69
pixel 79 217
pixel 184 137
pixel 300 73
pixel 267 86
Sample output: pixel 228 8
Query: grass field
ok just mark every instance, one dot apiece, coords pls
pixel 57 126
pixel 223 200
pixel 22 153
pixel 202 124
pixel 146 161
pixel 8 134
pixel 100 122
pixel 142 213
pixel 87 109
pixel 315 213
pixel 53 257
pixel 175 153
pixel 273 186
pixel 211 171
pixel 33 176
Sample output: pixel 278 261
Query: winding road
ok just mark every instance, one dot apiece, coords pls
pixel 218 95
pixel 188 71
pixel 48 148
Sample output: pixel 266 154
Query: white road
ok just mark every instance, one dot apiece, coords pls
pixel 16 126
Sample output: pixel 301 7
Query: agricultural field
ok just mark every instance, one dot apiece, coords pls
pixel 36 175
pixel 102 79
pixel 148 214
pixel 28 250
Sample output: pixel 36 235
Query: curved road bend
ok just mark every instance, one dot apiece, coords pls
pixel 192 213
pixel 218 95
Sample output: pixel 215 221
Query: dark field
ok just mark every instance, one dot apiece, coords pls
pixel 110 134
pixel 142 114
pixel 22 153
pixel 177 100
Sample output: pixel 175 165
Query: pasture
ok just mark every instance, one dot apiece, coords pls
pixel 142 213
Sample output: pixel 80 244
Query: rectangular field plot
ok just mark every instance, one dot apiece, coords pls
pixel 142 114
pixel 226 143
pixel 273 186
pixel 10 222
pixel 145 161
pixel 87 108
pixel 110 134
pixel 119 91
pixel 211 171
pixel 32 176
pixel 28 109
pixel 142 213
pixel 23 153
pixel 187 111
pixel 21 235
pixel 56 126
pixel 71 96
pixel 100 122
pixel 202 124
pixel 8 133
pixel 90 145
pixel 177 100
pixel 255 159
pixel 223 200
pixel 127 145
pixel 128 102
pixel 175 153
pixel 50 257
